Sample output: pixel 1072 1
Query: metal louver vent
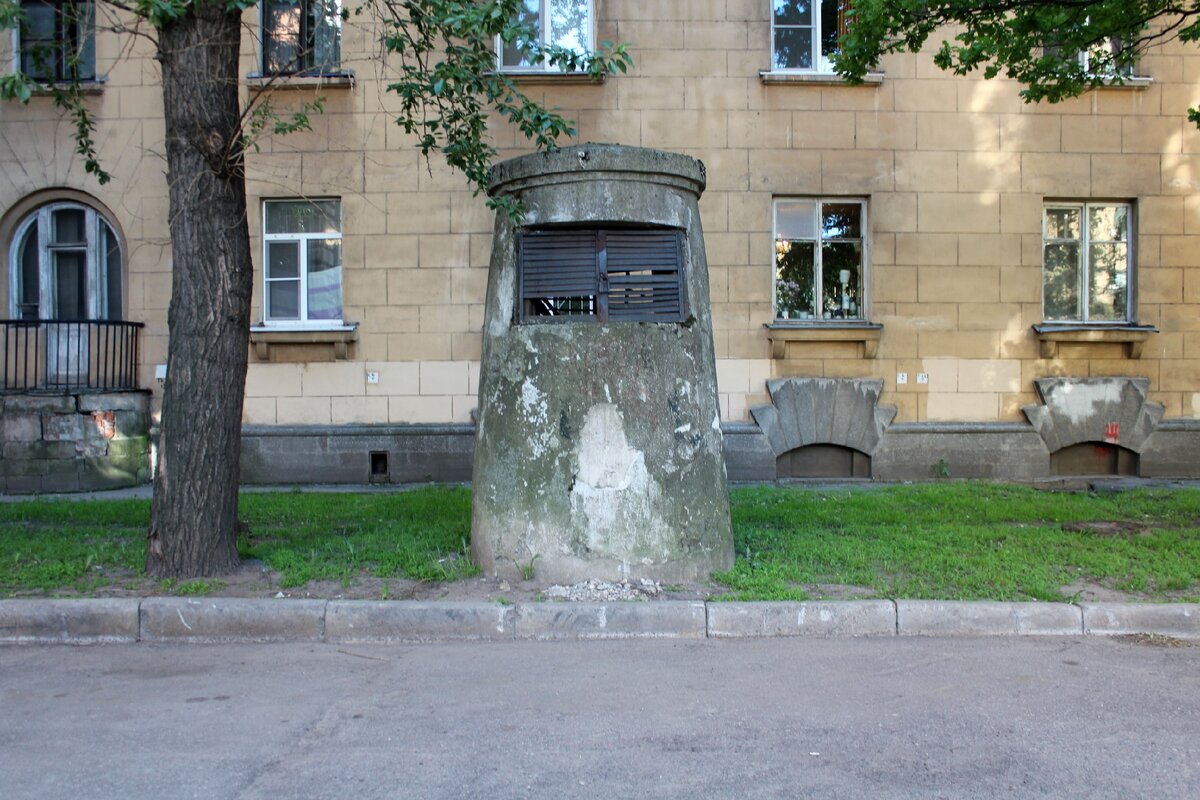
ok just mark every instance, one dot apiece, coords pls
pixel 609 275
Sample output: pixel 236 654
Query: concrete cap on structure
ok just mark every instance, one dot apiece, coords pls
pixel 586 161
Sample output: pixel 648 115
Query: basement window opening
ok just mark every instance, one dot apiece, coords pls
pixel 607 275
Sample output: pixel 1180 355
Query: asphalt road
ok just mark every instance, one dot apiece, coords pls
pixel 842 718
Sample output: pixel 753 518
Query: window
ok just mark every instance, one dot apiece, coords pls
pixel 57 40
pixel 608 275
pixel 301 37
pixel 302 254
pixel 805 33
pixel 819 260
pixel 1086 262
pixel 1100 60
pixel 559 23
pixel 65 263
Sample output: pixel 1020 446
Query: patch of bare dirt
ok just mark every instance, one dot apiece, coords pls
pixel 840 591
pixel 253 579
pixel 1156 640
pixel 1089 591
pixel 1108 528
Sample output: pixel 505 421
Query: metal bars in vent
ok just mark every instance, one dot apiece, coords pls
pixel 627 275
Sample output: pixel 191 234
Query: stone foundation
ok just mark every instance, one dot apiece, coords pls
pixel 343 453
pixel 74 443
pixel 910 451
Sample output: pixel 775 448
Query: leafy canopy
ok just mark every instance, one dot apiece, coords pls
pixel 1035 42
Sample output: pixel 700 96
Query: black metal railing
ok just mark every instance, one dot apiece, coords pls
pixel 65 356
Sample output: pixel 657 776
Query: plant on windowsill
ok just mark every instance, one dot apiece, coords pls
pixel 793 299
pixel 793 287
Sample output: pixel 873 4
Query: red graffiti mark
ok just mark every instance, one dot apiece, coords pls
pixel 1112 432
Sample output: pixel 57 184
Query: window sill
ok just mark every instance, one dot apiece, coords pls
pixel 1133 336
pixel 338 337
pixel 534 77
pixel 816 78
pixel 333 80
pixel 85 87
pixel 780 333
pixel 1132 83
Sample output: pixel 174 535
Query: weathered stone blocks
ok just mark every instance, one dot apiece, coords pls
pixel 68 443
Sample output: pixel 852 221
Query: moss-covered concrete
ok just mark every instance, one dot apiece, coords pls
pixel 599 450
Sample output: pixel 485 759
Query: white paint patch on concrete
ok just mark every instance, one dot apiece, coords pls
pixel 1081 402
pixel 534 407
pixel 606 461
pixel 505 297
pixel 613 492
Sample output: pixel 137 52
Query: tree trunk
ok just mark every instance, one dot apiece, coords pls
pixel 193 518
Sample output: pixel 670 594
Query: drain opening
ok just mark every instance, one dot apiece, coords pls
pixel 379 466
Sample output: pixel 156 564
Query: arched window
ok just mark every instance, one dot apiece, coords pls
pixel 65 263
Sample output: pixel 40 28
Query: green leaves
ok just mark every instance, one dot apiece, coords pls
pixel 263 117
pixel 1056 50
pixel 16 86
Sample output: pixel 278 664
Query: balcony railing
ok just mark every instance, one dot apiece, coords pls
pixel 66 356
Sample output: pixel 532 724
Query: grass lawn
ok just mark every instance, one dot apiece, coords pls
pixel 963 541
pixel 942 540
pixel 49 546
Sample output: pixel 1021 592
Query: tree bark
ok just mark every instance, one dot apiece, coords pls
pixel 193 518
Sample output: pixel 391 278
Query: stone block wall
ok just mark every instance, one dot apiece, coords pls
pixel 71 443
pixel 954 172
pixel 342 453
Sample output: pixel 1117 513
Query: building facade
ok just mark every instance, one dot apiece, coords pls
pixel 915 277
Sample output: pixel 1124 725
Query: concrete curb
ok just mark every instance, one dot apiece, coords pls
pixel 949 618
pixel 373 621
pixel 231 619
pixel 68 621
pixel 226 619
pixel 1113 619
pixel 668 619
pixel 847 618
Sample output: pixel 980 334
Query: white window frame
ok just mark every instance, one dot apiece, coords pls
pixel 1085 267
pixel 821 64
pixel 544 38
pixel 96 261
pixel 302 322
pixel 818 277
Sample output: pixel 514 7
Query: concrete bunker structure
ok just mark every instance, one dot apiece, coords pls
pixel 599 451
